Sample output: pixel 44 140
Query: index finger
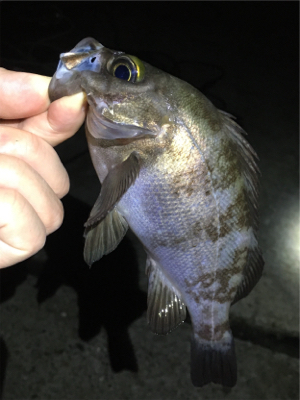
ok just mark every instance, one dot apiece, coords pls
pixel 25 105
pixel 22 94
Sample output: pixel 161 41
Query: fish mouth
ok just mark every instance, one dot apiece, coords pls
pixel 101 127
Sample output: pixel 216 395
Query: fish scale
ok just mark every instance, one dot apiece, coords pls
pixel 179 263
pixel 179 173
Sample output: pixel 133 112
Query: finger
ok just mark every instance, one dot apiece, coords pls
pixel 16 174
pixel 22 94
pixel 62 120
pixel 38 154
pixel 22 232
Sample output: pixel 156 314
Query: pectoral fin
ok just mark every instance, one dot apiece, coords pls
pixel 104 237
pixel 106 227
pixel 117 182
pixel 166 309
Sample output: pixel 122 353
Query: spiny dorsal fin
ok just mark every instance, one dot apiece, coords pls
pixel 165 307
pixel 104 237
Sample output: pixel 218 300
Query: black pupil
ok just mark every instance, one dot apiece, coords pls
pixel 122 72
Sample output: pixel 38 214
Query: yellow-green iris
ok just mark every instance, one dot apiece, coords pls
pixel 128 68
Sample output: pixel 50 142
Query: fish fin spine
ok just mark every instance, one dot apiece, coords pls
pixel 166 309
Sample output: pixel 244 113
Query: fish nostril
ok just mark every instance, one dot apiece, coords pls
pixel 93 59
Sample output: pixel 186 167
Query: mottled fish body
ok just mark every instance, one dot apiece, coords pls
pixel 179 173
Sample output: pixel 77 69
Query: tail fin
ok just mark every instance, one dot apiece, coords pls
pixel 213 362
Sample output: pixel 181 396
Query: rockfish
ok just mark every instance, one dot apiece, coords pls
pixel 180 174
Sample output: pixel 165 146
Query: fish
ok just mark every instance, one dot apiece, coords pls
pixel 180 174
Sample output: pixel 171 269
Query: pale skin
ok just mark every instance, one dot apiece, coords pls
pixel 32 177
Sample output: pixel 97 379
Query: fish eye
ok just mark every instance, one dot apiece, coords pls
pixel 128 68
pixel 122 71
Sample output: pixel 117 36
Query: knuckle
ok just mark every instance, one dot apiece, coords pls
pixel 22 232
pixel 32 145
pixel 56 217
pixel 65 186
pixel 37 244
pixel 11 200
pixel 18 142
pixel 5 138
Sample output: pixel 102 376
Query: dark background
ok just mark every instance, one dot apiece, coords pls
pixel 244 57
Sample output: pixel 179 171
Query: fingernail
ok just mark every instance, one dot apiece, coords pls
pixel 77 101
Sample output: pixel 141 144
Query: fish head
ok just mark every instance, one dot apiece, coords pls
pixel 127 97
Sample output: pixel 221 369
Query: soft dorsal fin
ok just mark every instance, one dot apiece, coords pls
pixel 104 237
pixel 117 182
pixel 166 309
pixel 251 274
pixel 247 156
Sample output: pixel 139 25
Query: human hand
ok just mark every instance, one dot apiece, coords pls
pixel 32 177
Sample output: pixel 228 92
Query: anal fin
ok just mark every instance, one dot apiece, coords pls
pixel 104 237
pixel 166 309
